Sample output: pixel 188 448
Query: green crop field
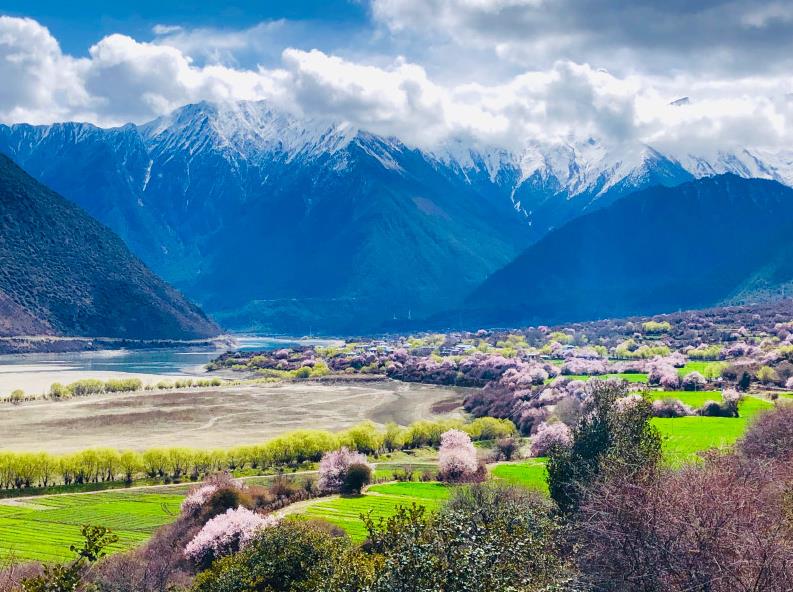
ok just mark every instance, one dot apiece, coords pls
pixel 43 528
pixel 701 367
pixel 684 437
pixel 526 473
pixel 626 376
pixel 380 500
pixel 692 398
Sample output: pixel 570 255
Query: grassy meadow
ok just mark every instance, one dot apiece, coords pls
pixel 44 527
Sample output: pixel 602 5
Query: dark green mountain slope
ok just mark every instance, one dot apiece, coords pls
pixel 64 273
pixel 699 244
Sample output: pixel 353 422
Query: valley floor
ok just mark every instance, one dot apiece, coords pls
pixel 217 418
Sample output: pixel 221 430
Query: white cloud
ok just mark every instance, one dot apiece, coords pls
pixel 125 80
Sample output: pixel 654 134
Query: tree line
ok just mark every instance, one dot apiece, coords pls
pixel 22 470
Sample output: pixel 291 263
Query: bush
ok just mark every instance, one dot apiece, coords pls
pixel 720 526
pixel 507 448
pixel 671 408
pixel 334 467
pixel 123 385
pixel 486 538
pixel 88 386
pixel 358 476
pixel 292 555
pixel 767 375
pixel 693 381
pixel 58 391
pixel 770 435
pixel 226 534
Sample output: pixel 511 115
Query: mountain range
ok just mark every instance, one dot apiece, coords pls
pixel 283 224
pixel 716 240
pixel 65 274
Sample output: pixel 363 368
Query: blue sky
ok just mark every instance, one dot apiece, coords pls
pixel 494 72
pixel 79 24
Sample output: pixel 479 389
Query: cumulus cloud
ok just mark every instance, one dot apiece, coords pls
pixel 728 37
pixel 123 79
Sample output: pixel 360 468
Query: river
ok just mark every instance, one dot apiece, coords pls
pixel 34 373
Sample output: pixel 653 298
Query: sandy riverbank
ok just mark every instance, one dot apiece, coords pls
pixel 209 418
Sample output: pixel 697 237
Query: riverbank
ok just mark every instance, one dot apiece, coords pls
pixel 216 417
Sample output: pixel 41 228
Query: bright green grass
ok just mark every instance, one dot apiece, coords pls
pixel 692 398
pixel 526 473
pixel 628 377
pixel 381 501
pixel 699 366
pixel 684 437
pixel 45 527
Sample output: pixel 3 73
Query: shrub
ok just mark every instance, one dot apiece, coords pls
pixel 770 435
pixel 728 407
pixel 88 386
pixel 693 381
pixel 358 476
pixel 66 578
pixel 17 396
pixel 58 391
pixel 766 374
pixel 123 385
pixel 487 537
pixel 719 525
pixel 290 555
pixel 457 461
pixel 548 436
pixel 671 408
pixel 507 448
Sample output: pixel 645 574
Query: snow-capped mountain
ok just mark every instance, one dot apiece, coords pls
pixel 261 216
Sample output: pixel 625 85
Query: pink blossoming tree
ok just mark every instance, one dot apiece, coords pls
pixel 334 466
pixel 457 460
pixel 226 534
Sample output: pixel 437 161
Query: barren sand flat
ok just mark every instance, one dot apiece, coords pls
pixel 213 417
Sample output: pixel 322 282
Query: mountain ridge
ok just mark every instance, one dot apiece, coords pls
pixel 729 235
pixel 198 190
pixel 65 274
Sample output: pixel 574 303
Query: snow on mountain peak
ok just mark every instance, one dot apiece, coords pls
pixel 245 127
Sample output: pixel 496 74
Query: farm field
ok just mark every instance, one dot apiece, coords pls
pixel 526 473
pixel 216 418
pixel 380 500
pixel 683 437
pixel 44 527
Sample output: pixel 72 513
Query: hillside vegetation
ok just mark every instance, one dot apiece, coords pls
pixel 64 273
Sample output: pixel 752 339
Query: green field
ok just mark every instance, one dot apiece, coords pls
pixel 380 500
pixel 684 437
pixel 44 527
pixel 699 366
pixel 628 377
pixel 526 473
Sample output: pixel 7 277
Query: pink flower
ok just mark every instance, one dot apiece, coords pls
pixel 226 534
pixel 334 466
pixel 197 498
pixel 457 456
pixel 549 435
